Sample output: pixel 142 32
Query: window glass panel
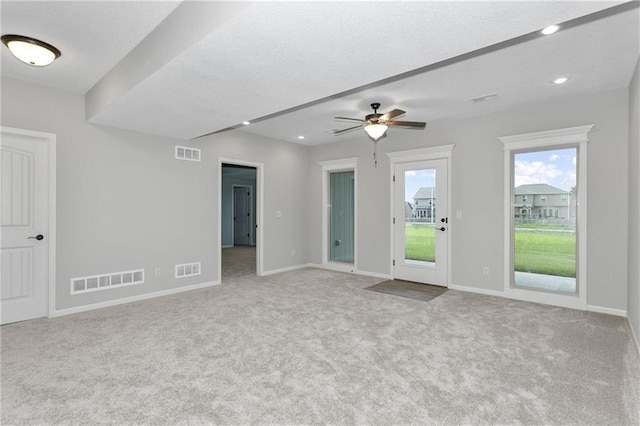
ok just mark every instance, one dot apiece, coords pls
pixel 420 215
pixel 341 217
pixel 544 255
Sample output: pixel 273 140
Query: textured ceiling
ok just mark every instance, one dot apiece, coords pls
pixel 211 65
pixel 596 55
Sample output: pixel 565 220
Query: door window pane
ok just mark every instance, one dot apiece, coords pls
pixel 544 239
pixel 420 215
pixel 341 217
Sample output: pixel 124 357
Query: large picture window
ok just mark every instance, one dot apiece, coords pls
pixel 545 216
pixel 544 241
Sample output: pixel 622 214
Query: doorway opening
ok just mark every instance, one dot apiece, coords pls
pixel 240 207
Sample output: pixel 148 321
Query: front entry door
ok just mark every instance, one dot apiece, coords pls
pixel 24 223
pixel 421 222
pixel 242 219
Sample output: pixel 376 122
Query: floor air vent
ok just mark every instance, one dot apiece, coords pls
pixel 186 153
pixel 187 270
pixel 106 281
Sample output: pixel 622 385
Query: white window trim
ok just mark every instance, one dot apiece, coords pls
pixel 409 156
pixel 568 137
pixel 340 165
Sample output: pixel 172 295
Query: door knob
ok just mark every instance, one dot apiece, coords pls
pixel 442 229
pixel 37 237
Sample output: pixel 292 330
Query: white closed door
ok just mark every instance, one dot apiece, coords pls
pixel 421 222
pixel 23 252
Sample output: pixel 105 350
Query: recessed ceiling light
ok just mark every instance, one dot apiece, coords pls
pixel 246 123
pixel 31 51
pixel 560 80
pixel 300 137
pixel 550 29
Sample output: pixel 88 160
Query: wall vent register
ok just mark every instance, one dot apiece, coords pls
pixel 188 154
pixel 187 270
pixel 106 281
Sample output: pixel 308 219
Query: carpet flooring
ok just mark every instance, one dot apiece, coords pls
pixel 424 292
pixel 311 347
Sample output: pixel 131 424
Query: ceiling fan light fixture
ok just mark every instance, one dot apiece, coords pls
pixel 376 131
pixel 31 51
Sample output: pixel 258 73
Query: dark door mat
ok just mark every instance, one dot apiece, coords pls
pixel 411 290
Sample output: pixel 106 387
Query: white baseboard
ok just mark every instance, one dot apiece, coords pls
pixel 373 274
pixel 348 269
pixel 634 334
pixel 610 311
pixel 229 246
pixel 484 291
pixel 145 296
pixel 542 300
pixel 287 269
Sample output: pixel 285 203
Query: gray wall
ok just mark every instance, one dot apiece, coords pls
pixel 477 180
pixel 231 177
pixel 633 306
pixel 285 190
pixel 124 202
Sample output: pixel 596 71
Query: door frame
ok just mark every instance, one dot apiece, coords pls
pixel 49 139
pixel 233 212
pixel 328 167
pixel 259 213
pixel 549 139
pixel 440 152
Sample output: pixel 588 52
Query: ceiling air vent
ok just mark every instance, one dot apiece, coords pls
pixel 188 154
pixel 483 98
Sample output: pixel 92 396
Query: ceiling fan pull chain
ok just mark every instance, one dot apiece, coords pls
pixel 375 154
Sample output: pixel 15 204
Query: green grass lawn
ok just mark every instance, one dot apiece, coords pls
pixel 420 243
pixel 550 253
pixel 540 252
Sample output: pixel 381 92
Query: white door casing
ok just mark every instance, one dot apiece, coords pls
pixel 27 210
pixel 259 208
pixel 440 272
pixel 427 272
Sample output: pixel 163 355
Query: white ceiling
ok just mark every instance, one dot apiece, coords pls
pixel 92 35
pixel 210 66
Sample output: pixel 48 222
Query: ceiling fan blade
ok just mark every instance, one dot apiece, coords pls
pixel 350 119
pixel 416 124
pixel 339 132
pixel 389 115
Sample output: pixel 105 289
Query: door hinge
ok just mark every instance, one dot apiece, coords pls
pixel 394 178
pixel 394 220
pixel 394 262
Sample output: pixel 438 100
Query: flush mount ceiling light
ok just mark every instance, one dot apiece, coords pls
pixel 560 80
pixel 31 51
pixel 300 137
pixel 550 29
pixel 246 123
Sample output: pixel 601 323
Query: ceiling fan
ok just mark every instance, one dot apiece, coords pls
pixel 376 124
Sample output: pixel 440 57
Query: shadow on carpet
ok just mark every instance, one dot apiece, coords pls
pixel 411 290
